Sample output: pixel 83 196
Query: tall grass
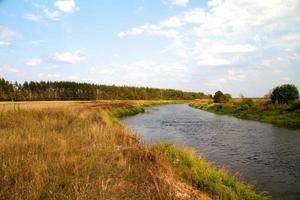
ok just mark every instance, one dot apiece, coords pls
pixel 70 153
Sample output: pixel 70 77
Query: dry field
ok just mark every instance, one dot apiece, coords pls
pixel 70 150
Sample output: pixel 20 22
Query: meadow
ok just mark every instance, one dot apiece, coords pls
pixel 78 150
pixel 263 110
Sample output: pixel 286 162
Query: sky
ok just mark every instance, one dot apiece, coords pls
pixel 238 46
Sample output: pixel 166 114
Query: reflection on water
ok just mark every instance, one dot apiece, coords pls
pixel 261 154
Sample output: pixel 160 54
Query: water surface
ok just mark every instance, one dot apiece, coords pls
pixel 258 153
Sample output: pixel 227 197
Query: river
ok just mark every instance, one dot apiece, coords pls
pixel 263 155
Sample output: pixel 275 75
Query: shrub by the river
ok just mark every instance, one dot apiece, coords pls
pixel 295 105
pixel 284 94
pixel 220 97
pixel 247 101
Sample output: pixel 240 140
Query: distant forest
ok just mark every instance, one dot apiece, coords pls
pixel 66 90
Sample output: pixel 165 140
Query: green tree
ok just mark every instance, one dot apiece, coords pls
pixel 227 97
pixel 284 93
pixel 220 97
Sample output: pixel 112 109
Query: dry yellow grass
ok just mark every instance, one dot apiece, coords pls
pixel 66 150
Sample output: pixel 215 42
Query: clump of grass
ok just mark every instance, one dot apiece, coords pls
pixel 123 112
pixel 217 183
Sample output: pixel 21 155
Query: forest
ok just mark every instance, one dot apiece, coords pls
pixel 67 90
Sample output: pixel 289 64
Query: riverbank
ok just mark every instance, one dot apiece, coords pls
pixel 257 110
pixel 78 150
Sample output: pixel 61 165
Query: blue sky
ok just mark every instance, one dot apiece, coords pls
pixel 238 46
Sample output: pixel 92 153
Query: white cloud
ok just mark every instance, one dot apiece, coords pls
pixel 6 36
pixel 52 15
pixel 4 44
pixel 286 41
pixel 173 22
pixel 294 56
pixel 194 16
pixel 68 57
pixel 143 73
pixel 37 42
pixel 169 33
pixel 287 79
pixel 61 7
pixel 167 28
pixel 231 76
pixel 217 53
pixel 8 69
pixel 7 33
pixel 235 48
pixel 75 78
pixel 230 31
pixel 177 2
pixel 34 62
pixel 157 31
pixel 236 81
pixel 49 76
pixel 236 75
pixel 31 17
pixel 210 60
pixel 133 31
pixel 214 2
pixel 121 34
pixel 66 6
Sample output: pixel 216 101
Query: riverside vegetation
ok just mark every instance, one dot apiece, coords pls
pixel 78 150
pixel 263 110
pixel 281 107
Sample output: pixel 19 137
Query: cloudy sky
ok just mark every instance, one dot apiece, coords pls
pixel 238 46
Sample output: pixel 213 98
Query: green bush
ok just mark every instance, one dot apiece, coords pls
pixel 247 101
pixel 295 105
pixel 243 107
pixel 285 94
pixel 220 97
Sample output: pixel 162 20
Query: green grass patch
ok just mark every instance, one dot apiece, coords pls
pixel 129 111
pixel 134 109
pixel 218 184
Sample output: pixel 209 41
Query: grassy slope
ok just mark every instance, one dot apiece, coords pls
pixel 261 111
pixel 218 184
pixel 78 151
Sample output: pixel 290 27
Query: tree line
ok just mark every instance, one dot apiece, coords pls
pixel 68 90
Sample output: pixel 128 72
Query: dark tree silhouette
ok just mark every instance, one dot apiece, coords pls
pixel 284 93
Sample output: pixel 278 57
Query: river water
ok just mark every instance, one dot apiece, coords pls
pixel 261 154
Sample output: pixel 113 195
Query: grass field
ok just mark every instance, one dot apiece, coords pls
pixel 78 150
pixel 257 109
